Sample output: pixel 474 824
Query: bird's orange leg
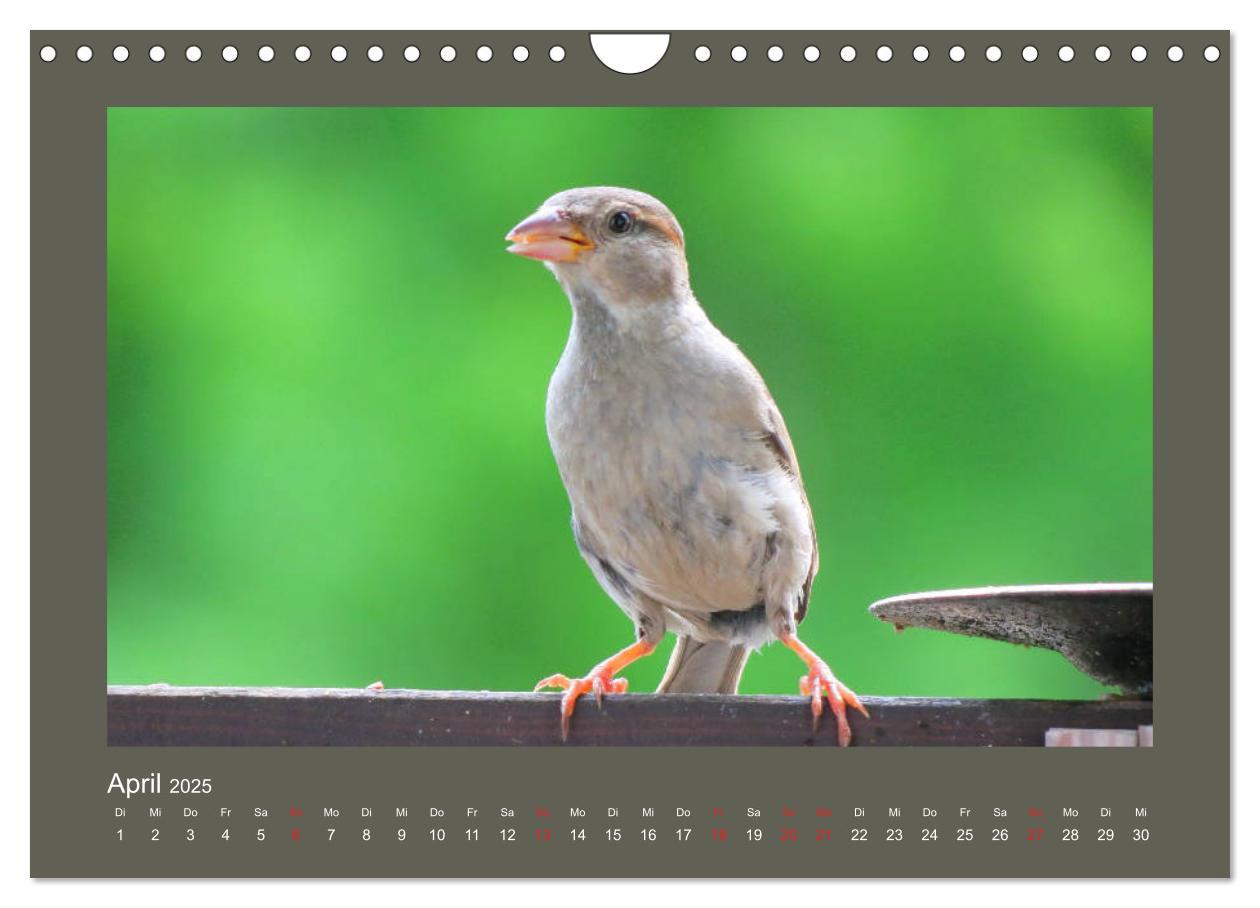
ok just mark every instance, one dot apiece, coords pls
pixel 599 681
pixel 822 680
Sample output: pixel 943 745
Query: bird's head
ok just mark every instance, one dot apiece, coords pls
pixel 618 245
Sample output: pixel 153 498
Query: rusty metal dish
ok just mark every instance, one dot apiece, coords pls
pixel 1104 629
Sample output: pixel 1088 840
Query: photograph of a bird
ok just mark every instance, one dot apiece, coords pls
pixel 687 498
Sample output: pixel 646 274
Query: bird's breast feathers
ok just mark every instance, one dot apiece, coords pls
pixel 675 475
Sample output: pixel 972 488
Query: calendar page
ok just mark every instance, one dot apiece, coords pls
pixel 488 454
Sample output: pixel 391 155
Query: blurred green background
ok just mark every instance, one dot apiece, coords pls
pixel 327 460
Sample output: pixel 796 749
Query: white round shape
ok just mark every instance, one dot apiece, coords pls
pixel 812 54
pixel 993 53
pixel 485 53
pixel 266 53
pixel 1138 53
pixel 83 54
pixel 121 53
pixel 848 53
pixel 339 54
pixel 520 53
pixel 1029 53
pixel 301 53
pixel 1066 53
pixel 1102 53
pixel 411 53
pixel 1211 53
pixel 958 53
pixel 629 54
pixel 375 54
pixel 447 53
pixel 192 53
pixel 1176 54
pixel 921 54
pixel 884 53
pixel 229 54
pixel 48 53
pixel 157 53
pixel 774 54
pixel 739 53
pixel 556 54
pixel 703 53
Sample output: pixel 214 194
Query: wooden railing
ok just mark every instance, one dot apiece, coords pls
pixel 213 716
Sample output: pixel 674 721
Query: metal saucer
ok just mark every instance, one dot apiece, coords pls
pixel 1104 629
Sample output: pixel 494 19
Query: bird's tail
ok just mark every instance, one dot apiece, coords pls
pixel 703 668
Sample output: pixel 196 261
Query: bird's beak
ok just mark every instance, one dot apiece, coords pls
pixel 549 236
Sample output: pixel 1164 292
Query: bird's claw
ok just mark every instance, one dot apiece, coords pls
pixel 812 688
pixel 599 682
pixel 822 680
pixel 552 681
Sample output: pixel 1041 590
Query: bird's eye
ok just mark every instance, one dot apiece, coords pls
pixel 620 222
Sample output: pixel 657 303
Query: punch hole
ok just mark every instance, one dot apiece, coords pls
pixel 1138 53
pixel 447 53
pixel 739 53
pixel 192 53
pixel 993 53
pixel 48 53
pixel 1102 53
pixel 485 54
pixel 83 54
pixel 884 53
pixel 812 54
pixel 920 54
pixel 1211 53
pixel 1176 54
pixel 556 54
pixel 229 54
pixel 266 53
pixel 1029 53
pixel 338 53
pixel 774 53
pixel 375 54
pixel 703 54
pixel 848 53
pixel 301 53
pixel 157 53
pixel 958 53
pixel 121 53
pixel 411 53
pixel 520 53
pixel 627 54
pixel 1067 53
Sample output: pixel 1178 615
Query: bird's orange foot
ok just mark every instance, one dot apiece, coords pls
pixel 599 681
pixel 822 680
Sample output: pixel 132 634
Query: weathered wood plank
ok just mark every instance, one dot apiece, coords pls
pixel 213 716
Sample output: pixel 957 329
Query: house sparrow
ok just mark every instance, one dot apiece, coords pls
pixel 687 498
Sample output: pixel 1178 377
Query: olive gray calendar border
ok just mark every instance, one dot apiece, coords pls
pixel 1184 781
